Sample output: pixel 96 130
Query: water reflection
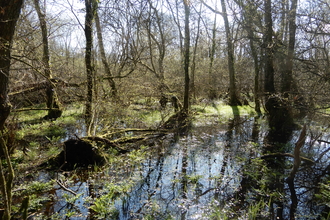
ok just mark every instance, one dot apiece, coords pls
pixel 197 170
pixel 217 170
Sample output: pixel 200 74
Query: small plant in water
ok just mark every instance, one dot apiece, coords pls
pixel 104 206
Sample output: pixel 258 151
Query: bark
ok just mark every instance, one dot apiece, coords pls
pixel 248 17
pixel 287 78
pixel 279 109
pixel 269 87
pixel 212 91
pixel 9 13
pixel 103 56
pixel 186 56
pixel 6 179
pixel 256 76
pixel 233 99
pixel 193 66
pixel 52 99
pixel 90 10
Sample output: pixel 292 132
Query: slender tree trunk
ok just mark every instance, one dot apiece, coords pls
pixel 186 56
pixel 212 91
pixel 256 77
pixel 268 44
pixel 52 100
pixel 103 57
pixel 287 78
pixel 193 66
pixel 248 15
pixel 90 10
pixel 233 99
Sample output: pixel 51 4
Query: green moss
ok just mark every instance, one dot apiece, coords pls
pixel 151 118
pixel 33 125
pixel 223 110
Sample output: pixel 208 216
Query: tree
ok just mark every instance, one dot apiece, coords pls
pixel 9 13
pixel 250 20
pixel 156 30
pixel 90 71
pixel 233 98
pixel 287 79
pixel 193 65
pixel 52 100
pixel 212 90
pixel 103 56
pixel 269 86
pixel 186 56
pixel 280 112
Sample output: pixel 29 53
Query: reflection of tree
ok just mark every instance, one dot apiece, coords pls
pixel 186 174
pixel 276 165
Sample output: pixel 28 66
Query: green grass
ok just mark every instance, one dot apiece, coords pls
pixel 32 123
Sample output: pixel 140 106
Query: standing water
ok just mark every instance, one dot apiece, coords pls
pixel 216 171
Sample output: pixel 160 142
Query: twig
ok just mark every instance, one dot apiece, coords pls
pixel 65 188
pixel 286 155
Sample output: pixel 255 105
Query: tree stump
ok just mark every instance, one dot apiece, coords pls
pixel 78 153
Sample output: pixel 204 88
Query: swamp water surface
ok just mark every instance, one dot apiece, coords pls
pixel 213 172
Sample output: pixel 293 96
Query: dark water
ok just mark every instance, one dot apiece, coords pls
pixel 213 172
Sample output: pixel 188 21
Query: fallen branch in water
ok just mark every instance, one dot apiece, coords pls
pixel 307 160
pixel 124 140
pixel 65 188
pixel 119 131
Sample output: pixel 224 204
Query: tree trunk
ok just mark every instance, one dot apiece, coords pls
pixel 248 16
pixel 186 56
pixel 193 66
pixel 52 100
pixel 212 90
pixel 287 78
pixel 103 57
pixel 233 99
pixel 90 11
pixel 9 13
pixel 280 113
pixel 268 44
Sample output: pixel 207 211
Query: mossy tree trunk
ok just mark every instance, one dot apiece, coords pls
pixel 287 78
pixel 52 99
pixel 90 71
pixel 269 86
pixel 279 110
pixel 9 13
pixel 186 56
